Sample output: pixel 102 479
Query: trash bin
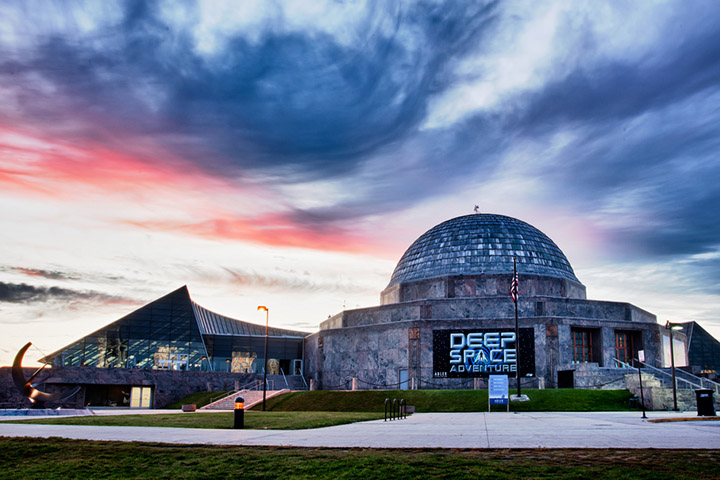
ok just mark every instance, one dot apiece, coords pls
pixel 705 403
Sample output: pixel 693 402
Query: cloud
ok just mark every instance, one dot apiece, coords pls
pixel 301 100
pixel 26 294
pixel 296 102
pixel 629 141
pixel 49 274
pixel 273 230
pixel 294 282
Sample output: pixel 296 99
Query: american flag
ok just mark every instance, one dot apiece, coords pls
pixel 514 287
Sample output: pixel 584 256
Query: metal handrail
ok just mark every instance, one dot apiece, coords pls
pixel 666 377
pixel 285 378
pixel 248 386
pixel 703 382
pixel 710 384
pixel 251 385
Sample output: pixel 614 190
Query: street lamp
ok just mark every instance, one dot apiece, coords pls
pixel 267 321
pixel 673 326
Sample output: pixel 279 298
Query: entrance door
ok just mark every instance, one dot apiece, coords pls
pixel 141 397
pixel 403 379
pixel 566 378
pixel 624 348
pixel 297 367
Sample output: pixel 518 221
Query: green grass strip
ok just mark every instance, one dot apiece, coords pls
pixel 26 458
pixel 551 400
pixel 222 420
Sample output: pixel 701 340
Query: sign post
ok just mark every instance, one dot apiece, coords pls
pixel 498 391
pixel 641 358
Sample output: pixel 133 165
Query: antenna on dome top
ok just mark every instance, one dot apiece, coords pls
pixel 477 208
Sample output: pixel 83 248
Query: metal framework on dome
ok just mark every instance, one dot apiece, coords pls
pixel 479 244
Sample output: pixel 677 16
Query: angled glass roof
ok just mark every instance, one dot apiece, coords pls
pixel 212 323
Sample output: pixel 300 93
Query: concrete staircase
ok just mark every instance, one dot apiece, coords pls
pixel 251 397
pixel 658 397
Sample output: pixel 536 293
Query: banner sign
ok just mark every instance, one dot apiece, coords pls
pixel 470 353
pixel 498 390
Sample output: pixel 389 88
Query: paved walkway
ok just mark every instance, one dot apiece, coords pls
pixel 428 430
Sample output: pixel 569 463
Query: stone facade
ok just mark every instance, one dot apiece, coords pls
pixel 375 344
pixel 459 286
pixel 168 386
pixel 458 276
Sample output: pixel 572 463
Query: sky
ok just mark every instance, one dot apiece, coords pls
pixel 286 153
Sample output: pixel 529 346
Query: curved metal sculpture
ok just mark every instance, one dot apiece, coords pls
pixel 37 397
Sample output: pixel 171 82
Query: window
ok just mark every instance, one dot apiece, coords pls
pixel 624 346
pixel 582 345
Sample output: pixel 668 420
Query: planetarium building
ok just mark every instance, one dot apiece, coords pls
pixel 447 318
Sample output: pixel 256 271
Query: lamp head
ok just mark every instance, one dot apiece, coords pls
pixel 261 307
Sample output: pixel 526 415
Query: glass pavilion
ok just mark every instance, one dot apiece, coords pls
pixel 175 333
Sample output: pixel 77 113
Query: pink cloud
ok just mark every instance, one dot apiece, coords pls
pixel 31 164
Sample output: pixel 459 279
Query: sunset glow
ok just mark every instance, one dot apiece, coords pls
pixel 286 155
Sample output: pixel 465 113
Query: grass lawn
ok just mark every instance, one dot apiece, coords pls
pixel 253 420
pixel 74 459
pixel 551 400
pixel 298 410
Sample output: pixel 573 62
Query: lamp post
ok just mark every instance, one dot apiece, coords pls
pixel 670 326
pixel 267 321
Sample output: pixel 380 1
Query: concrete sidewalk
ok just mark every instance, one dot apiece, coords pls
pixel 429 430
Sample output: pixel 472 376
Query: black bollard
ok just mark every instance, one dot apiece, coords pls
pixel 239 413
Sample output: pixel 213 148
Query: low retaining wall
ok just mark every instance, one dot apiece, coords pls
pixel 168 386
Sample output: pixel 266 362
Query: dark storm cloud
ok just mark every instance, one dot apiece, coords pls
pixel 309 102
pixel 612 91
pixel 24 293
pixel 303 101
pixel 646 133
pixel 298 104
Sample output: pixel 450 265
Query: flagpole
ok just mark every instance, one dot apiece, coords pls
pixel 517 327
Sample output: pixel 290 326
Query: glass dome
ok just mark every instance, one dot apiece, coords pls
pixel 481 244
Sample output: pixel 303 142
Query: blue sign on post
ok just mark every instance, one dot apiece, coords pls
pixel 498 391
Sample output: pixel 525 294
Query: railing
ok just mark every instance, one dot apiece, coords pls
pixel 705 383
pixel 254 385
pixel 689 381
pixel 285 378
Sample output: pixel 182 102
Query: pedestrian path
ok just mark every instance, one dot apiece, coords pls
pixel 429 430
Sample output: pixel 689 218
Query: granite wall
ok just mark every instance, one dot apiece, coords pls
pixel 373 345
pixel 486 285
pixel 490 308
pixel 168 386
